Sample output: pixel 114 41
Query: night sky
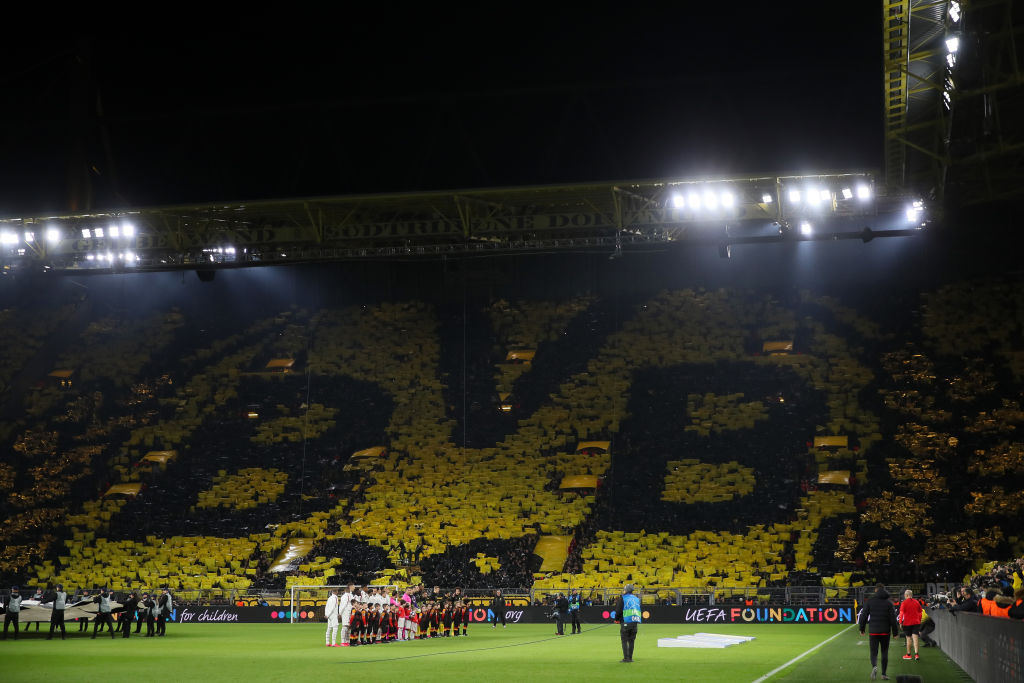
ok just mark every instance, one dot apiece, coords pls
pixel 442 99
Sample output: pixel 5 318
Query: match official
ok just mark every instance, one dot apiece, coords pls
pixel 627 611
pixel 498 607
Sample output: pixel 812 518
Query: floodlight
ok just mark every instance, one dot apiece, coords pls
pixel 677 201
pixel 113 231
pixel 29 237
pixel 794 196
pixel 127 229
pixel 110 257
pixel 863 192
pixel 766 198
pixel 52 235
pixel 90 257
pixel 98 232
pixel 953 44
pixel 954 11
pixel 85 233
pixel 694 200
pixel 825 195
pixel 912 213
pixel 231 250
pixel 8 238
pixel 951 60
pixel 727 199
pixel 805 229
pixel 710 200
pixel 813 195
pixel 847 193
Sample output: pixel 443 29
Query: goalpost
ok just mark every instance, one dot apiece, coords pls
pixel 312 599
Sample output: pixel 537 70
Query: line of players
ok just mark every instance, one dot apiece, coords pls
pixel 375 617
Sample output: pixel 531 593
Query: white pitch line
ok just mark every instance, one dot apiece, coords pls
pixel 801 656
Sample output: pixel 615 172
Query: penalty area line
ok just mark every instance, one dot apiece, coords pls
pixel 801 656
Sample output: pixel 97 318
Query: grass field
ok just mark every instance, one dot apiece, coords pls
pixel 522 652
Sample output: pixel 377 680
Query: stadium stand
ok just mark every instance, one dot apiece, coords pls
pixel 669 444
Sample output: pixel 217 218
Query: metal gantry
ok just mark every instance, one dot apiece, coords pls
pixel 954 106
pixel 717 210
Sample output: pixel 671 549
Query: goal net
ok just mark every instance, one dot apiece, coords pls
pixel 306 603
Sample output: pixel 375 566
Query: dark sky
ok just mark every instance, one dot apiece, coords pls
pixel 440 99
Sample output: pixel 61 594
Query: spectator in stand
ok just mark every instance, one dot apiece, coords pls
pixel 878 617
pixel 910 619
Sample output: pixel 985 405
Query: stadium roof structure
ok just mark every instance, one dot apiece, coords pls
pixel 954 101
pixel 615 216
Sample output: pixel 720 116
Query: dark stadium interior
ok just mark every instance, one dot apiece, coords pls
pixel 654 398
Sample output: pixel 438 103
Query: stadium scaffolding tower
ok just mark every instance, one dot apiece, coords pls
pixel 953 81
pixel 734 210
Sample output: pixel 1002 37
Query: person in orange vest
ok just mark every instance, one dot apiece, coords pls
pixel 988 601
pixel 1016 610
pixel 910 619
pixel 1002 604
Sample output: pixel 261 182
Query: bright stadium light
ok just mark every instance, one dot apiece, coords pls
pixel 794 196
pixel 766 198
pixel 954 11
pixel 85 233
pixel 728 199
pixel 110 257
pixel 113 231
pixel 8 238
pixel 914 211
pixel 127 229
pixel 90 257
pixel 847 193
pixel 813 196
pixel 29 237
pixel 694 201
pixel 825 195
pixel 98 232
pixel 863 192
pixel 710 200
pixel 52 235
pixel 677 201
pixel 805 229
pixel 953 44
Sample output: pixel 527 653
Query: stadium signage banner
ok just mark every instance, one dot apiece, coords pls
pixel 763 614
pixel 232 614
pixel 770 614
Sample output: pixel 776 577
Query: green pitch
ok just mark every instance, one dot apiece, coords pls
pixel 521 652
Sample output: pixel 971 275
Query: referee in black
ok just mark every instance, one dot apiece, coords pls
pixel 561 612
pixel 498 607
